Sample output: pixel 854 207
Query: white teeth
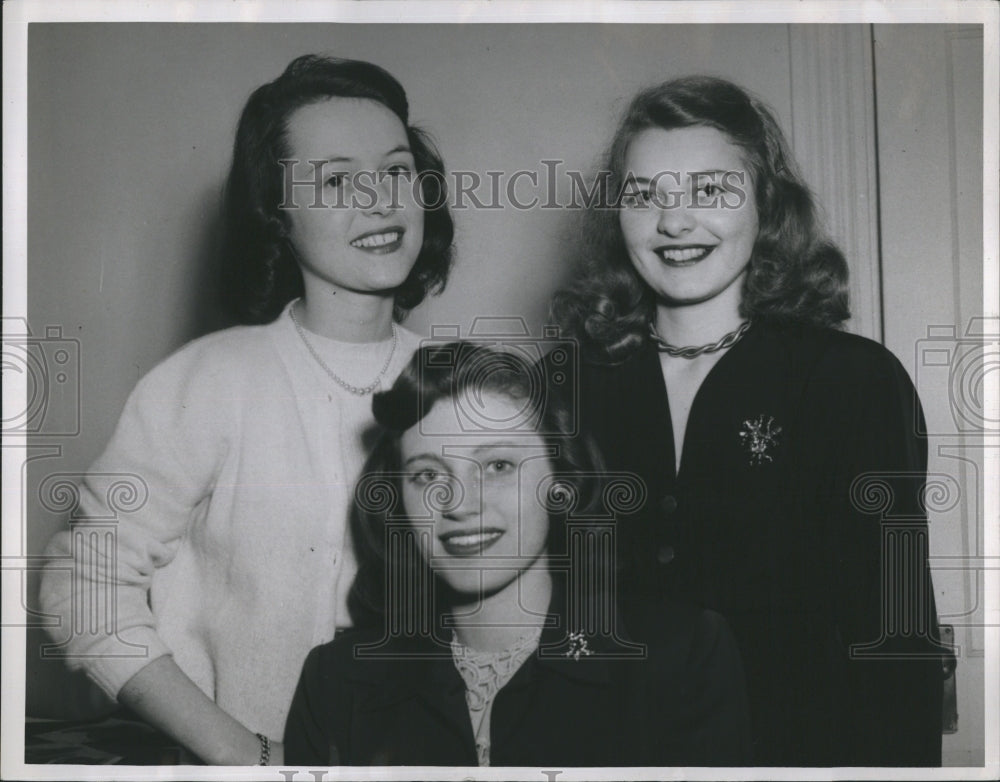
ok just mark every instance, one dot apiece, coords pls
pixel 376 240
pixel 476 539
pixel 684 254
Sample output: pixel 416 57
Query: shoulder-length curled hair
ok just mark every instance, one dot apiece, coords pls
pixel 262 274
pixel 456 374
pixel 795 272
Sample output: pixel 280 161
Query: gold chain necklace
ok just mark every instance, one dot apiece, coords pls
pixel 356 390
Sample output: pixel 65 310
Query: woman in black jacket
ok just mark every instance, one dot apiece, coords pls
pixel 780 455
pixel 487 633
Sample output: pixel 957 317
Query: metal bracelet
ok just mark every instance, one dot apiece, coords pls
pixel 265 749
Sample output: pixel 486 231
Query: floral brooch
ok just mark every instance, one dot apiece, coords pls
pixel 578 646
pixel 758 436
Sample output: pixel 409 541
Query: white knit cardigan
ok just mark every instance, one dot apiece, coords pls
pixel 233 554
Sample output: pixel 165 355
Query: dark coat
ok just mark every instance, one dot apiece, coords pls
pixel 680 703
pixel 771 530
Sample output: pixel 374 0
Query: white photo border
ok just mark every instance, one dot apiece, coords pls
pixel 18 14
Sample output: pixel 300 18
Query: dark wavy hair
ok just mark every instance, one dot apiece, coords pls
pixel 795 272
pixel 261 272
pixel 439 375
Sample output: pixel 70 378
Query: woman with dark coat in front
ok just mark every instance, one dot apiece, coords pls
pixel 780 454
pixel 486 630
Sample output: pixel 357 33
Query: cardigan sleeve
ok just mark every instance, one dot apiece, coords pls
pixel 882 597
pixel 132 510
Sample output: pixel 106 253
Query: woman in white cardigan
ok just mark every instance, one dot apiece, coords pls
pixel 248 441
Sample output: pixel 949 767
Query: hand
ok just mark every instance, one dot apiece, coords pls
pixel 168 700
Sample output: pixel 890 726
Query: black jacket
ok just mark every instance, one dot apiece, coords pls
pixel 681 702
pixel 797 516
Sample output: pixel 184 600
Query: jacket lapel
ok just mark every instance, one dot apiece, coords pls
pixel 561 661
pixel 441 690
pixel 421 670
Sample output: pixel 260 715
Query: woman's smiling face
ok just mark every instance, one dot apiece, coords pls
pixel 690 218
pixel 477 493
pixel 362 229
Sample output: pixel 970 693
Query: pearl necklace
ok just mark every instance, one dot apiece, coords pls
pixel 356 390
pixel 690 351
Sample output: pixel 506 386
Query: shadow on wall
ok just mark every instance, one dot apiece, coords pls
pixel 209 309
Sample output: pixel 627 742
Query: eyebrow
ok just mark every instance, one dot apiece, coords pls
pixel 474 452
pixel 419 456
pixel 645 180
pixel 490 446
pixel 345 159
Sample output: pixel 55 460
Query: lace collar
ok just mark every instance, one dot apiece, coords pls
pixel 485 674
